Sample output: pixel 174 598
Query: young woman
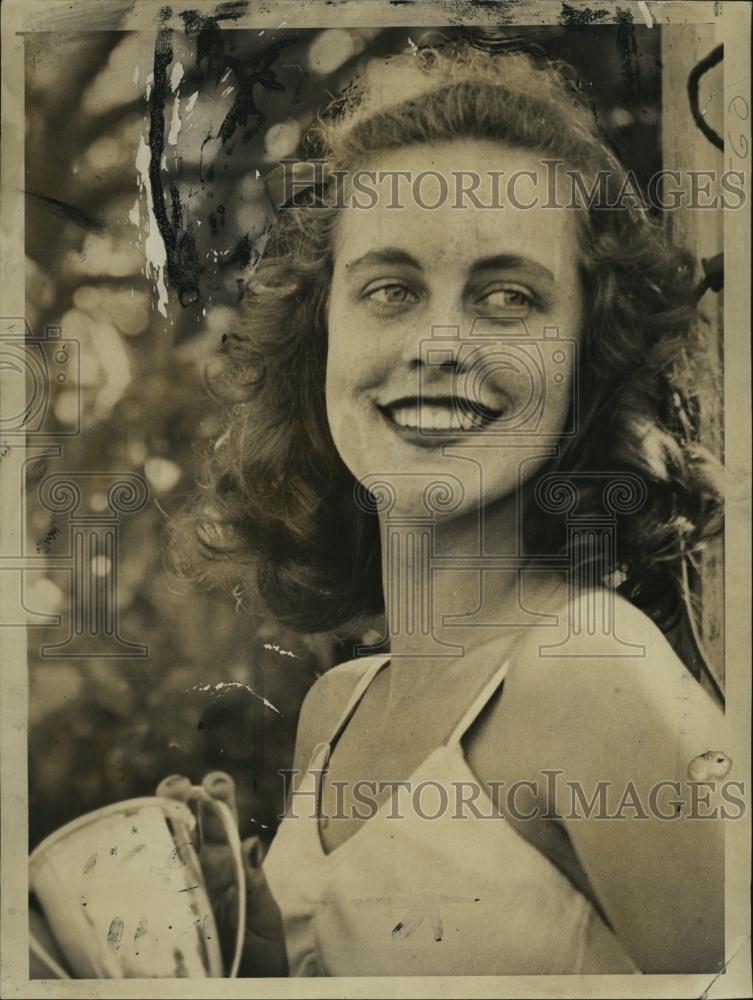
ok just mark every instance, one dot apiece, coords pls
pixel 465 405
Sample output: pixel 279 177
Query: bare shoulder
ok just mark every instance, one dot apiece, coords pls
pixel 604 684
pixel 601 640
pixel 323 705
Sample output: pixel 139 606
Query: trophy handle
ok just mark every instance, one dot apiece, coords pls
pixel 199 795
pixel 44 956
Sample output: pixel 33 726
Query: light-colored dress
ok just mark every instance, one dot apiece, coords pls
pixel 454 895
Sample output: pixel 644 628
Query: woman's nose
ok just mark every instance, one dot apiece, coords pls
pixel 434 339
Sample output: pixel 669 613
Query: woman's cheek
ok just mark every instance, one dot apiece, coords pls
pixel 360 355
pixel 334 397
pixel 343 402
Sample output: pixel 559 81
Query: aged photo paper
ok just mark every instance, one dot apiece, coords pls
pixel 375 479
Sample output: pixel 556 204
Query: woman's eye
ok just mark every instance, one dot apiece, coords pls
pixel 391 294
pixel 511 299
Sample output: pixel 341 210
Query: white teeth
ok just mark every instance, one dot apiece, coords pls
pixel 436 418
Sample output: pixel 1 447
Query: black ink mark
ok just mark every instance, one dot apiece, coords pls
pixel 210 48
pixel 115 933
pixel 241 123
pixel 72 213
pixel 627 48
pixel 43 544
pixel 503 9
pixel 573 17
pixel 182 263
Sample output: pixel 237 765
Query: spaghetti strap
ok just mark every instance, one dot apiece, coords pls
pixel 358 692
pixel 477 705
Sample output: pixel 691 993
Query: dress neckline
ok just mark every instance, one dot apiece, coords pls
pixel 451 744
pixel 326 860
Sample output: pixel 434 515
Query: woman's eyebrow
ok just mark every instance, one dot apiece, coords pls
pixel 512 262
pixel 387 255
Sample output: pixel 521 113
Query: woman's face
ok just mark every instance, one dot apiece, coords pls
pixel 452 329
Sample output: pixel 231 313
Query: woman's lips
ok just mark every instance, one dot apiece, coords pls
pixel 424 421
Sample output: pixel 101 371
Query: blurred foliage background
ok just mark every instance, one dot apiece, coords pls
pixel 222 684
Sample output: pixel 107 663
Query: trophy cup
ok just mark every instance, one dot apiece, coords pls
pixel 123 894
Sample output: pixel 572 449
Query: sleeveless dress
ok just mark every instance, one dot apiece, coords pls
pixel 428 896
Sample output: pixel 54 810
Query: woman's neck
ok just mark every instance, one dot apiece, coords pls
pixel 439 600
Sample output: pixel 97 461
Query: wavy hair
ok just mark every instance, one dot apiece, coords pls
pixel 277 499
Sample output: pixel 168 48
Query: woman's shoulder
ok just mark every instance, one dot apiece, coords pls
pixel 596 634
pixel 605 682
pixel 325 702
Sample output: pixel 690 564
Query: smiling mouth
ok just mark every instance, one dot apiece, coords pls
pixel 445 414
